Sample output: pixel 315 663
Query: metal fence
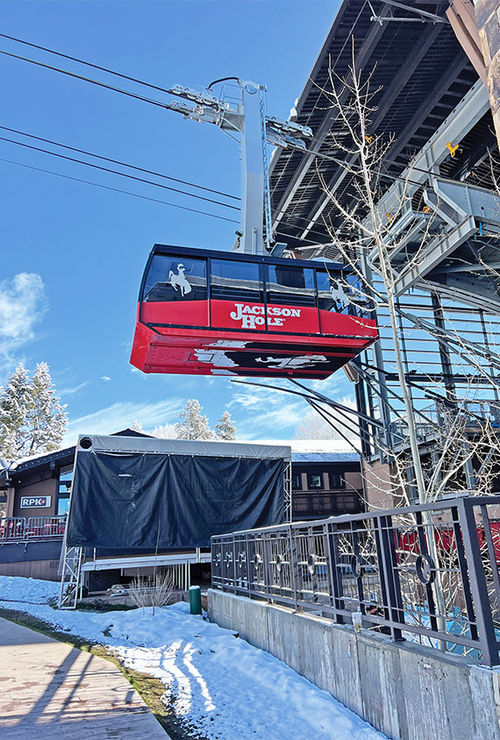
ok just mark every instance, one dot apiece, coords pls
pixel 24 529
pixel 426 573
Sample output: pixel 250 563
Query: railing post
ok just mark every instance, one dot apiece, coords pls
pixel 389 573
pixel 293 563
pixel 482 609
pixel 249 578
pixel 335 575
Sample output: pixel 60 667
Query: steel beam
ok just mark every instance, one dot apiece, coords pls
pixel 464 116
pixel 439 248
pixel 362 56
pixel 408 68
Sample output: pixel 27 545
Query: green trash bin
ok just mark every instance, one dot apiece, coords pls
pixel 195 600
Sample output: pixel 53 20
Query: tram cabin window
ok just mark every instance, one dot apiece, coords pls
pixel 172 278
pixel 291 286
pixel 236 281
pixel 333 292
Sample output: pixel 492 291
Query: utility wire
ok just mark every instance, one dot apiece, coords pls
pixel 117 161
pixel 117 172
pixel 118 190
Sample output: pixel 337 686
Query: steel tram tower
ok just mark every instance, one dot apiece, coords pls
pixel 244 115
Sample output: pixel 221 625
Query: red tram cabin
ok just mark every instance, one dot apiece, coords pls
pixel 206 312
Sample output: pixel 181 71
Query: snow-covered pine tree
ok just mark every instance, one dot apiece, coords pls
pixel 47 418
pixel 15 403
pixel 193 424
pixel 225 427
pixel 164 431
pixel 137 426
pixel 31 418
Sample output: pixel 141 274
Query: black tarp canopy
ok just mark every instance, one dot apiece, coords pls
pixel 136 493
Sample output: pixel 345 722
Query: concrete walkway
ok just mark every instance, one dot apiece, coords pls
pixel 49 690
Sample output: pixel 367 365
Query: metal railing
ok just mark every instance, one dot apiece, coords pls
pixel 426 573
pixel 25 529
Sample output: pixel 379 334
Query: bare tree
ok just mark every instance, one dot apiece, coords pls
pixel 461 458
pixel 454 449
pixel 152 592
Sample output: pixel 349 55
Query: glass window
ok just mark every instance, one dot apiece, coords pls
pixel 336 481
pixel 63 491
pixel 292 286
pixel 62 505
pixel 314 480
pixel 172 278
pixel 236 281
pixel 333 293
pixel 359 298
pixel 296 481
pixel 341 293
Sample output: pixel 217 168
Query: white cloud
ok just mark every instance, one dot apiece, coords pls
pixel 71 390
pixel 270 413
pixel 106 378
pixel 22 305
pixel 265 411
pixel 122 415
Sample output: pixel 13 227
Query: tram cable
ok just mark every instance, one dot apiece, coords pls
pixel 141 169
pixel 160 104
pixel 118 190
pixel 157 102
pixel 311 242
pixel 130 94
pixel 117 161
pixel 84 62
pixel 117 172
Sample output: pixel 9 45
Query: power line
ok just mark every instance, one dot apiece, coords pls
pixel 117 172
pixel 117 190
pixel 117 161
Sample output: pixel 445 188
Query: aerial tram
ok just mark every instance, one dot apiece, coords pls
pixel 204 312
pixel 250 311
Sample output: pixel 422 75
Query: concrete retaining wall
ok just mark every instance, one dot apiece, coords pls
pixel 406 691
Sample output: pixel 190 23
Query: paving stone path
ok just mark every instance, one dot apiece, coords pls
pixel 51 691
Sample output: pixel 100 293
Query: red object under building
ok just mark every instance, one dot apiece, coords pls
pixel 205 312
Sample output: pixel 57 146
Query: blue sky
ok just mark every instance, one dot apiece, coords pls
pixel 78 251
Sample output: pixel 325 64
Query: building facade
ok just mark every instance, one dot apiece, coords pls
pixel 326 484
pixel 36 493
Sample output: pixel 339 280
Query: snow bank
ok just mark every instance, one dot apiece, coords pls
pixel 222 687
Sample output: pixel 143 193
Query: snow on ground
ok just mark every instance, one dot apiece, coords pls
pixel 222 687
